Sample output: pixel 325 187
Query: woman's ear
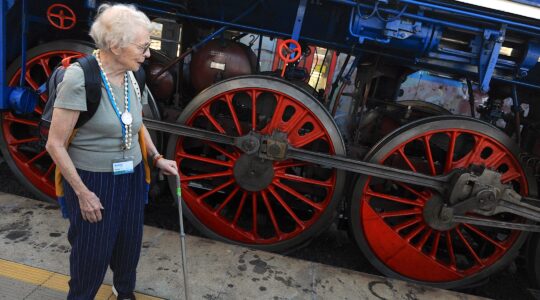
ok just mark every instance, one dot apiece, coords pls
pixel 115 49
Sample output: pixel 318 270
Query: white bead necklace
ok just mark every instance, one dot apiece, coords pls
pixel 126 116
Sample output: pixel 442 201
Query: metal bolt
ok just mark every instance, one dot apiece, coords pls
pixel 248 145
pixel 273 149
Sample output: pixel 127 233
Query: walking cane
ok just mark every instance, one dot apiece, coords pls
pixel 182 235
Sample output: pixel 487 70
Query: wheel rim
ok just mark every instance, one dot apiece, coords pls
pixel 388 220
pixel 297 199
pixel 20 134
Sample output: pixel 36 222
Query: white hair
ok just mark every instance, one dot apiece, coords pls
pixel 116 25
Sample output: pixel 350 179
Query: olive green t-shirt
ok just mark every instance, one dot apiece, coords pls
pixel 98 142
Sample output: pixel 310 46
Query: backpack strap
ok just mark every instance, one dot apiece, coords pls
pixel 140 76
pixel 138 81
pixel 92 82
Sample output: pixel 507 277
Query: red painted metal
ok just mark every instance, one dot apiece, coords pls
pixel 401 238
pixel 14 126
pixel 285 52
pixel 61 16
pixel 252 206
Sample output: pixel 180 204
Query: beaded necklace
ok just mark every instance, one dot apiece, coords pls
pixel 126 119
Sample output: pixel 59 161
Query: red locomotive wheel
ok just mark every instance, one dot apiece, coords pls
pixel 387 217
pixel 19 137
pixel 240 198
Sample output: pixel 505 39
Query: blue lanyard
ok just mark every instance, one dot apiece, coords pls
pixel 113 104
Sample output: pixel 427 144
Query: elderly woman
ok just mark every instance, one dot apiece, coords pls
pixel 101 165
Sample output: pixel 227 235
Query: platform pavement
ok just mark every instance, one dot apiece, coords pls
pixel 33 235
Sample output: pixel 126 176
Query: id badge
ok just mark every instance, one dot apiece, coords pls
pixel 123 166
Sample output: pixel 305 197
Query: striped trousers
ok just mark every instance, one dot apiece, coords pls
pixel 115 241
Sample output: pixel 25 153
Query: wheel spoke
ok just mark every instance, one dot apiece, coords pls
pixel 239 209
pixel 289 190
pixel 206 160
pixel 38 156
pixel 287 208
pixel 297 117
pixel 220 150
pixel 468 246
pixel 414 233
pixel 435 245
pixel 393 198
pixel 50 170
pixel 300 142
pixel 289 164
pixel 208 175
pixel 484 236
pixel 228 99
pixel 407 224
pixel 214 190
pixel 254 213
pixel 450 248
pixel 33 84
pixel 494 159
pixel 415 192
pixel 212 120
pixel 424 239
pixel 23 141
pixel 44 62
pixel 11 118
pixel 38 110
pixel 227 200
pixel 406 159
pixel 429 156
pixel 276 117
pixel 271 213
pixel 400 213
pixel 475 152
pixel 509 176
pixel 327 183
pixel 253 110
pixel 450 153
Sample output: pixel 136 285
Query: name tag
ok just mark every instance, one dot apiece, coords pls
pixel 122 166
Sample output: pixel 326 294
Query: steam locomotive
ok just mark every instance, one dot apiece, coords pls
pixel 412 122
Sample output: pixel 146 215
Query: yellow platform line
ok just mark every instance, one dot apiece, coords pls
pixel 52 280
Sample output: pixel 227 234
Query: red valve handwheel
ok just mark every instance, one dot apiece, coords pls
pixel 285 52
pixel 58 14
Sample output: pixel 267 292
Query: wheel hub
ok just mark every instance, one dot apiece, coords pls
pixel 253 173
pixel 435 216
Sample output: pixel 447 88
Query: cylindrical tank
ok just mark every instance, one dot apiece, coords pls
pixel 220 59
pixel 162 87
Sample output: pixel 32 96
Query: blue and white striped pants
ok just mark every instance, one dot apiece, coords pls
pixel 115 240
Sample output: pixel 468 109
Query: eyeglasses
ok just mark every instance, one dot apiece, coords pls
pixel 143 48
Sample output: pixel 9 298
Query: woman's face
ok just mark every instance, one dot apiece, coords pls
pixel 133 54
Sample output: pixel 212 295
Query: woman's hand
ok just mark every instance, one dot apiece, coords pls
pixel 90 207
pixel 167 166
